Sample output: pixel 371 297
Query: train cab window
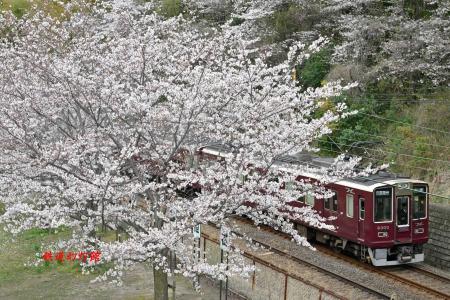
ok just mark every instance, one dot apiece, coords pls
pixel 349 205
pixel 383 205
pixel 301 199
pixel 362 208
pixel 419 204
pixel 310 199
pixel 332 202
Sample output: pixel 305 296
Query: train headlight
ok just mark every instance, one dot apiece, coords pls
pixel 382 234
pixel 418 230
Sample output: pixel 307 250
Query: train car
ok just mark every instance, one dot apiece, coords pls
pixel 382 218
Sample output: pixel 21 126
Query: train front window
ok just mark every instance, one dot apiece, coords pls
pixel 419 204
pixel 383 205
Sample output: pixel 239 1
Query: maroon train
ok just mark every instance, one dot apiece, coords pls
pixel 382 218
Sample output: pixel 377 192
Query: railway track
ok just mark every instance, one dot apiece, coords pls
pixel 405 274
pixel 445 280
pixel 373 292
pixel 423 277
pixel 418 278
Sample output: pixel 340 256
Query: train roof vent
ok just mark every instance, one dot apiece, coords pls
pixel 218 147
pixel 363 179
pixel 402 176
pixel 384 174
pixel 304 156
pixel 287 159
pixel 323 161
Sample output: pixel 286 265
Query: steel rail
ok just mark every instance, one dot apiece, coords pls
pixel 316 267
pixel 429 273
pixel 278 269
pixel 384 273
pixel 366 266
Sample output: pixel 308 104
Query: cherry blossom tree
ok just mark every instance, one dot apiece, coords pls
pixel 406 39
pixel 398 40
pixel 104 115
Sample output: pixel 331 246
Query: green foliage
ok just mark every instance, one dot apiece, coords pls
pixel 171 8
pixel 416 9
pixel 409 149
pixel 285 22
pixel 18 7
pixel 35 233
pixel 36 247
pixel 314 70
pixel 220 14
pixel 353 133
pixel 236 21
pixel 14 255
pixel 407 140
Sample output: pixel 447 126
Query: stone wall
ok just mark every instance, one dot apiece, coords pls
pixel 437 251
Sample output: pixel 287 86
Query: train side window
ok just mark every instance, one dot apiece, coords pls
pixel 243 177
pixel 419 202
pixel 349 205
pixel 192 161
pixel 383 205
pixel 301 199
pixel 289 186
pixel 331 203
pixel 335 201
pixel 362 208
pixel 327 202
pixel 310 199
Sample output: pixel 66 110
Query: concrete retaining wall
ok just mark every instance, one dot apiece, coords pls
pixel 437 251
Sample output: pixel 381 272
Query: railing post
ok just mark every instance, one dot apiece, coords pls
pixel 285 286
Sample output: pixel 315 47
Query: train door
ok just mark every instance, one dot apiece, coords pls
pixel 403 216
pixel 361 217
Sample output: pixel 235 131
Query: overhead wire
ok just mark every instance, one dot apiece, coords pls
pixel 383 160
pixel 393 100
pixel 404 123
pixel 397 153
pixel 394 139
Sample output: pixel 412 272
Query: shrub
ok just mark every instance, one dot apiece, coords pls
pixel 171 8
pixel 18 7
pixel 314 70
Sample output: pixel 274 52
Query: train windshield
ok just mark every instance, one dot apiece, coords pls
pixel 420 202
pixel 383 205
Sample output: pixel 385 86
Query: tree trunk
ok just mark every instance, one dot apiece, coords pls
pixel 161 284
